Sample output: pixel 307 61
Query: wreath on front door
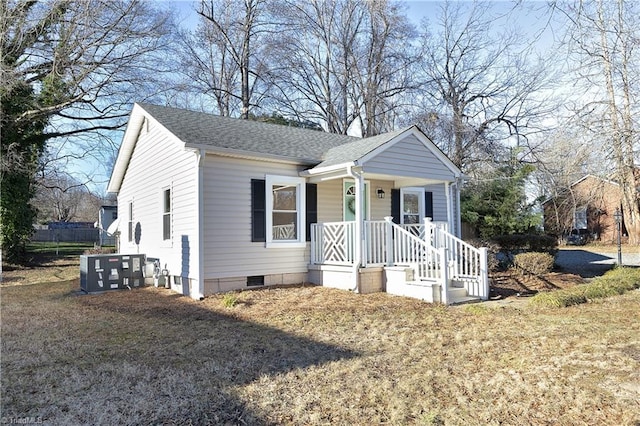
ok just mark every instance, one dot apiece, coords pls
pixel 351 205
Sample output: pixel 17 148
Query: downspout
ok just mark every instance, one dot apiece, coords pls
pixel 357 256
pixel 200 158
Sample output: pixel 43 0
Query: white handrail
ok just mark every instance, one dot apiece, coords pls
pixel 467 263
pixel 408 249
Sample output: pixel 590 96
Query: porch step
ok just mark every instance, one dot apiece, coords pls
pixel 457 292
pixel 463 300
pixel 458 295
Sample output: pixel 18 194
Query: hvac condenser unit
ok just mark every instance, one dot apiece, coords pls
pixel 103 272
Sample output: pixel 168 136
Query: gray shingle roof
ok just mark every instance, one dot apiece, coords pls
pixel 202 129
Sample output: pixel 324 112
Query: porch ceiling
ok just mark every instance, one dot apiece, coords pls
pixel 398 181
pixel 403 181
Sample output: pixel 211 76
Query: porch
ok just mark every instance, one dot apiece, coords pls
pixel 423 261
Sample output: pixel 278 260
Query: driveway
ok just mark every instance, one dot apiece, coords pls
pixel 588 261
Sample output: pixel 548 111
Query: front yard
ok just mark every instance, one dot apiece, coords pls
pixel 311 355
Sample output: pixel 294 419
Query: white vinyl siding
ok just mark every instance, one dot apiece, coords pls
pixel 409 158
pixel 159 161
pixel 228 250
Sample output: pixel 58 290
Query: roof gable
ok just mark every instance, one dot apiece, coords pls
pixel 365 151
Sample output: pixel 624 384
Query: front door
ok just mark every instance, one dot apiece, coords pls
pixel 349 201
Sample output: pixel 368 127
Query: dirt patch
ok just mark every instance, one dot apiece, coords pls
pixel 513 283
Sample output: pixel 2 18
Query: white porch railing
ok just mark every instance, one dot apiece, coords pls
pixel 333 243
pixel 431 251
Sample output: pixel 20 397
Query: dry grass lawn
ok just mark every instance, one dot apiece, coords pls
pixel 311 355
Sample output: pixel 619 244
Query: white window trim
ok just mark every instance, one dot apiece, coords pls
pixel 421 206
pixel 270 181
pixel 168 242
pixel 130 222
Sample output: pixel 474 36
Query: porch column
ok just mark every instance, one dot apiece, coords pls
pixel 458 216
pixel 359 225
pixel 447 194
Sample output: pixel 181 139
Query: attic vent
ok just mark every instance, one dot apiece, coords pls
pixel 255 281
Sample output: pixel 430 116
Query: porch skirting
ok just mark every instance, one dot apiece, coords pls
pixel 396 280
pixel 371 279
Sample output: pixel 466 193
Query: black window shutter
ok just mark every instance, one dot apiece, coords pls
pixel 395 205
pixel 258 211
pixel 428 204
pixel 312 207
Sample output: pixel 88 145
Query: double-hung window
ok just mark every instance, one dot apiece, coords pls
pixel 130 223
pixel 285 211
pixel 166 214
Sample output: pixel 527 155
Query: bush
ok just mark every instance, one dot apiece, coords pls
pixel 518 243
pixel 535 263
pixel 493 250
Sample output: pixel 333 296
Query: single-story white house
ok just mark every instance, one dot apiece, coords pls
pixel 227 204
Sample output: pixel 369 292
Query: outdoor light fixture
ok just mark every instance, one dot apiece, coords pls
pixel 617 216
pixel 380 193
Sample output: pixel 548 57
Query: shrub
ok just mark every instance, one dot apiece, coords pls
pixel 535 263
pixel 493 250
pixel 518 243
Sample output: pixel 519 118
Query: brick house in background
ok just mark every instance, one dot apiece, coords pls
pixel 588 203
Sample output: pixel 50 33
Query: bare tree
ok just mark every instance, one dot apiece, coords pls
pixel 209 70
pixel 603 40
pixel 85 57
pixel 564 159
pixel 69 68
pixel 382 67
pixel 311 73
pixel 342 62
pixel 226 44
pixel 481 88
